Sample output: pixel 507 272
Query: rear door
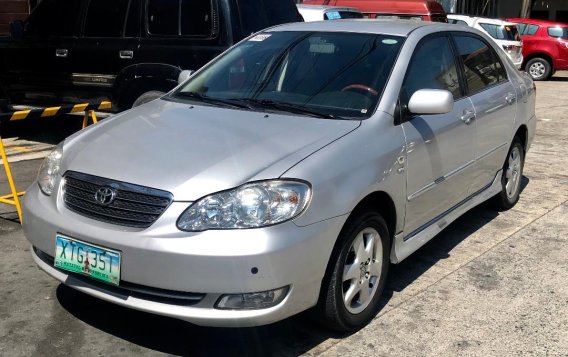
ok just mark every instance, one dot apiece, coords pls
pixel 109 43
pixel 440 148
pixel 38 65
pixel 495 102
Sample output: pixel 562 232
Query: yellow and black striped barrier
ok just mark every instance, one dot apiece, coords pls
pixel 88 108
pixel 14 197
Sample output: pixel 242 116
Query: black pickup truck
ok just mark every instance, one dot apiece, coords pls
pixel 129 51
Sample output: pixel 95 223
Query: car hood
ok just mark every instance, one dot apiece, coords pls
pixel 192 151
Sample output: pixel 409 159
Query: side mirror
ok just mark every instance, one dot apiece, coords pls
pixel 431 101
pixel 17 29
pixel 184 75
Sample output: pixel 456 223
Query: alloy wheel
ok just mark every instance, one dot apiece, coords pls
pixel 362 270
pixel 513 173
pixel 537 69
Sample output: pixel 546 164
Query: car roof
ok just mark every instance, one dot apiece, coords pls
pixel 486 20
pixel 321 8
pixel 386 27
pixel 537 22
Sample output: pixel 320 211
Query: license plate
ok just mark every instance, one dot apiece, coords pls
pixel 87 259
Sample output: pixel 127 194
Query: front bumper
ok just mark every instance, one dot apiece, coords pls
pixel 207 264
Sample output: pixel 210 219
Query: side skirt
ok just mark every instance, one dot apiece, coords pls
pixel 406 245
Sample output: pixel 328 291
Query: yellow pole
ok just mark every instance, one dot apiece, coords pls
pixel 89 114
pixel 11 180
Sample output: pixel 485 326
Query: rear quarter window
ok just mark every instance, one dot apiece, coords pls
pixel 558 32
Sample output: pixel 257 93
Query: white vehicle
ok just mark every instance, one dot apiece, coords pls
pixel 319 13
pixel 506 34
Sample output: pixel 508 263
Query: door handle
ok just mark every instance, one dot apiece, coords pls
pixel 468 116
pixel 61 52
pixel 126 54
pixel 510 98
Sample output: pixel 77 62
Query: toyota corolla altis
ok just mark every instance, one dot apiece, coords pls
pixel 286 174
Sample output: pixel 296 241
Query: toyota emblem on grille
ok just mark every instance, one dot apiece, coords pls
pixel 105 196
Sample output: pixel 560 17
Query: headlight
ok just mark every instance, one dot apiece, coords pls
pixel 252 205
pixel 49 170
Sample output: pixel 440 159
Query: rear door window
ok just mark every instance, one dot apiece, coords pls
pixel 527 29
pixel 192 18
pixel 106 18
pixel 482 67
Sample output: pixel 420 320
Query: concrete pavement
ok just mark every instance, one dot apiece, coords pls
pixel 491 284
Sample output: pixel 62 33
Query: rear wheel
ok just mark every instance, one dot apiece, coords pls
pixel 147 97
pixel 352 291
pixel 539 69
pixel 512 176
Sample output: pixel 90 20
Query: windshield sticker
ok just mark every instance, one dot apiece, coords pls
pixel 333 15
pixel 390 41
pixel 260 38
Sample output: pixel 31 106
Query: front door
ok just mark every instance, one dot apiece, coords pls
pixel 38 64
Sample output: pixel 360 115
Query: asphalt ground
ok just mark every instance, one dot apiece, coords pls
pixel 491 284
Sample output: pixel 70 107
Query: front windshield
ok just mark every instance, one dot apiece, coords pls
pixel 329 73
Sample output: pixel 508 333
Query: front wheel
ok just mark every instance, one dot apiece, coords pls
pixel 511 178
pixel 351 293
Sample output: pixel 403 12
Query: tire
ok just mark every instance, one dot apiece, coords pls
pixel 147 97
pixel 342 306
pixel 511 178
pixel 539 69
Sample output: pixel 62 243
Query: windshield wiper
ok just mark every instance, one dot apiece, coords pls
pixel 290 107
pixel 211 100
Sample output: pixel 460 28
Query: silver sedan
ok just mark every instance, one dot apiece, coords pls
pixel 288 173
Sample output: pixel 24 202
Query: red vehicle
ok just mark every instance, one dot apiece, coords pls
pixel 545 47
pixel 425 10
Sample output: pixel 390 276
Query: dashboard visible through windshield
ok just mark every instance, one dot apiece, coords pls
pixel 328 75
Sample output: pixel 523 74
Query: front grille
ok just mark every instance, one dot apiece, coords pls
pixel 133 205
pixel 126 289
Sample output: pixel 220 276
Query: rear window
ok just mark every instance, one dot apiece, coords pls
pixel 457 22
pixel 502 32
pixel 558 32
pixel 336 15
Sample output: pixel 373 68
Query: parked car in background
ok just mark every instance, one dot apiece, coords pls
pixel 319 13
pixel 286 174
pixel 131 51
pixel 504 33
pixel 425 10
pixel 545 47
